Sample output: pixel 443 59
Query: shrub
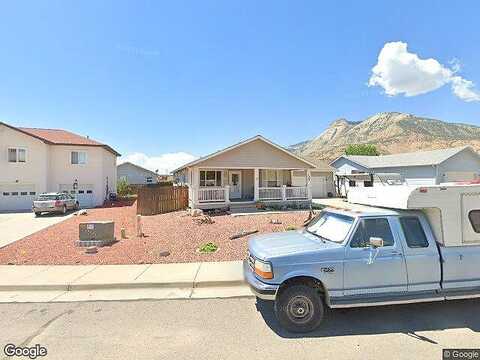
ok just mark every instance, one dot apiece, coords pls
pixel 361 149
pixel 291 227
pixel 208 248
pixel 123 189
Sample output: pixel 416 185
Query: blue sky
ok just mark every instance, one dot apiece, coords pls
pixel 157 78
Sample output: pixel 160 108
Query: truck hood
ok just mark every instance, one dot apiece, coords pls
pixel 271 245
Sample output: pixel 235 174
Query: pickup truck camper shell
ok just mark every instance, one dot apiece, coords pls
pixel 447 207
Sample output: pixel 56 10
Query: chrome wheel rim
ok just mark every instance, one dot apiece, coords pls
pixel 300 309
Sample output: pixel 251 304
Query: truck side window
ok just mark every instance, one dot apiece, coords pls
pixel 372 228
pixel 474 217
pixel 414 233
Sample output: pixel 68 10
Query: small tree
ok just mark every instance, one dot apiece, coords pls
pixel 123 189
pixel 361 149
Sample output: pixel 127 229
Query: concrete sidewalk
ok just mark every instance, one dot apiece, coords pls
pixel 117 282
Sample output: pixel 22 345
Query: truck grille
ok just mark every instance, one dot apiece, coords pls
pixel 251 261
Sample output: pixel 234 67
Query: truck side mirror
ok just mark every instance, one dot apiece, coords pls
pixel 376 242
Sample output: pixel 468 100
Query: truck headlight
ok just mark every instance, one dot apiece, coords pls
pixel 263 269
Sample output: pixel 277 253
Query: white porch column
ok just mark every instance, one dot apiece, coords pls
pixel 227 194
pixel 195 186
pixel 284 192
pixel 256 182
pixel 309 185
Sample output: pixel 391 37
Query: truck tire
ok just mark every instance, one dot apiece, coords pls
pixel 299 308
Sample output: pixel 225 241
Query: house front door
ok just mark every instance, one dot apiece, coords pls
pixel 235 182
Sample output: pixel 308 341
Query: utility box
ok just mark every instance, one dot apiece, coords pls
pixel 96 233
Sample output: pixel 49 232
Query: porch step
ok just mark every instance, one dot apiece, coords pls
pixel 242 208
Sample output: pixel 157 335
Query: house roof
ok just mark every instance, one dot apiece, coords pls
pixel 60 137
pixel 241 143
pixel 139 167
pixel 421 158
pixel 321 165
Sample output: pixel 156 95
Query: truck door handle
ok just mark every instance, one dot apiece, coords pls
pixel 395 252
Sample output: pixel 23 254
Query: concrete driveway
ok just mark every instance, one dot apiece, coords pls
pixel 15 226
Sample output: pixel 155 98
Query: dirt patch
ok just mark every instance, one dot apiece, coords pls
pixel 174 233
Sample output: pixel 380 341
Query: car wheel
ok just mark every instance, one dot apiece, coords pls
pixel 37 214
pixel 299 308
pixel 64 210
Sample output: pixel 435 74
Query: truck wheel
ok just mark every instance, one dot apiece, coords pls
pixel 299 308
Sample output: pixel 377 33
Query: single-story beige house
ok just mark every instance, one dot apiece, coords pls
pixel 254 170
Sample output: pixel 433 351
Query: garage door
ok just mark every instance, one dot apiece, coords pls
pixel 319 185
pixel 17 197
pixel 84 194
pixel 452 176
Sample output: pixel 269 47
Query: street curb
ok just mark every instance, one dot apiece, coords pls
pixel 123 286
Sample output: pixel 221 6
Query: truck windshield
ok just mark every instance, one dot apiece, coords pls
pixel 331 226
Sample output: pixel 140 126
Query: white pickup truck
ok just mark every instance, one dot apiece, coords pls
pixel 386 245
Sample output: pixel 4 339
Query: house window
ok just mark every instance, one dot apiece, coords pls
pixel 368 183
pixel 78 157
pixel 149 180
pixel 210 178
pixel 352 183
pixel 17 155
pixel 270 178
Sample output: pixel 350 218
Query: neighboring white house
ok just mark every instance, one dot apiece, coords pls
pixel 254 170
pixel 33 161
pixel 136 175
pixel 417 168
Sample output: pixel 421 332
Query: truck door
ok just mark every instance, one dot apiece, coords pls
pixel 421 254
pixel 386 274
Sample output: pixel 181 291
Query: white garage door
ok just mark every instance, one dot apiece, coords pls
pixel 17 197
pixel 84 194
pixel 452 176
pixel 319 185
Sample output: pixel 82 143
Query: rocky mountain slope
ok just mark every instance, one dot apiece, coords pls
pixel 391 133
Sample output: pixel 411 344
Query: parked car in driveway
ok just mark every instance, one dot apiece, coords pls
pixel 54 203
pixel 400 245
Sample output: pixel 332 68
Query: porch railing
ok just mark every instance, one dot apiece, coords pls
pixel 270 193
pixel 211 194
pixel 299 192
pixel 283 193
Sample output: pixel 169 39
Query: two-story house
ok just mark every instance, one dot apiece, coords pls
pixel 33 161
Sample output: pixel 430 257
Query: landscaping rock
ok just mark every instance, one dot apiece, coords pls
pixel 91 250
pixel 196 212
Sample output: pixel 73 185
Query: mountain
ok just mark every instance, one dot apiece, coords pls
pixel 391 133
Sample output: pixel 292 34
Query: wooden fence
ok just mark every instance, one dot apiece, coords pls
pixel 154 200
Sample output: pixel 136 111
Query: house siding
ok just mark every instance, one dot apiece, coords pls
pixel 345 166
pixel 134 175
pixel 464 161
pixel 49 166
pixel 256 154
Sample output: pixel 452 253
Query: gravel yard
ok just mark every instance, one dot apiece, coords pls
pixel 175 232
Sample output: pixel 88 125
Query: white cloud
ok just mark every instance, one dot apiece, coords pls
pixel 401 72
pixel 164 163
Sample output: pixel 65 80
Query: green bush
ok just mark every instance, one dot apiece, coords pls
pixel 208 248
pixel 291 227
pixel 123 189
pixel 361 149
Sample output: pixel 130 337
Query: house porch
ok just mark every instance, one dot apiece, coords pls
pixel 219 187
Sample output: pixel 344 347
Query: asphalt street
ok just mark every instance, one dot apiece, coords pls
pixel 235 329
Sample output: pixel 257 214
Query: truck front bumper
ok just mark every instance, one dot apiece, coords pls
pixel 259 288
